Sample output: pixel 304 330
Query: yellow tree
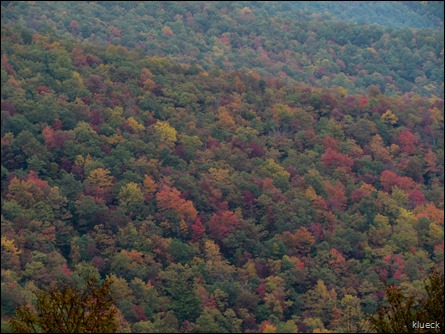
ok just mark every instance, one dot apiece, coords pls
pixel 134 125
pixel 351 318
pixel 166 133
pixel 389 118
pixel 10 254
pixel 99 182
pixel 276 296
pixel 320 301
pixel 131 196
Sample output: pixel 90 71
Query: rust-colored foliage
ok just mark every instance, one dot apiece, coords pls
pixel 169 198
pixel 222 224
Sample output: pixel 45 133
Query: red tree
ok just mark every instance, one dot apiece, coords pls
pixel 408 142
pixel 198 230
pixel 416 197
pixel 389 179
pixel 332 159
pixel 222 224
pixel 336 196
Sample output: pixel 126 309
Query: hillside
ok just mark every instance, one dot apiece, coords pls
pixel 276 39
pixel 400 14
pixel 219 171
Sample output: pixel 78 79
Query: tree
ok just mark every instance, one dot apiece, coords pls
pixel 198 230
pixel 131 196
pixel 213 320
pixel 404 310
pixel 389 118
pixel 320 302
pixel 10 253
pixel 332 159
pixel 389 179
pixel 134 126
pixel 350 316
pixel 164 322
pixel 299 241
pixel 166 133
pixel 178 283
pixel 149 187
pixel 275 297
pixel 222 224
pixel 70 310
pixel 74 27
pixel 408 142
pixel 336 196
pixel 99 182
pixel 276 172
pixel 180 213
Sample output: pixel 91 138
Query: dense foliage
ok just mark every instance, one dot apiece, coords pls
pixel 409 14
pixel 70 310
pixel 218 193
pixel 273 38
pixel 402 311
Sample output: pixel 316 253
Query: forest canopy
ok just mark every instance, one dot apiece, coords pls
pixel 229 166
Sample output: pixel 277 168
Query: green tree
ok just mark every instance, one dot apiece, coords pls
pixel 320 301
pixel 213 320
pixel 351 317
pixel 70 310
pixel 178 284
pixel 131 196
